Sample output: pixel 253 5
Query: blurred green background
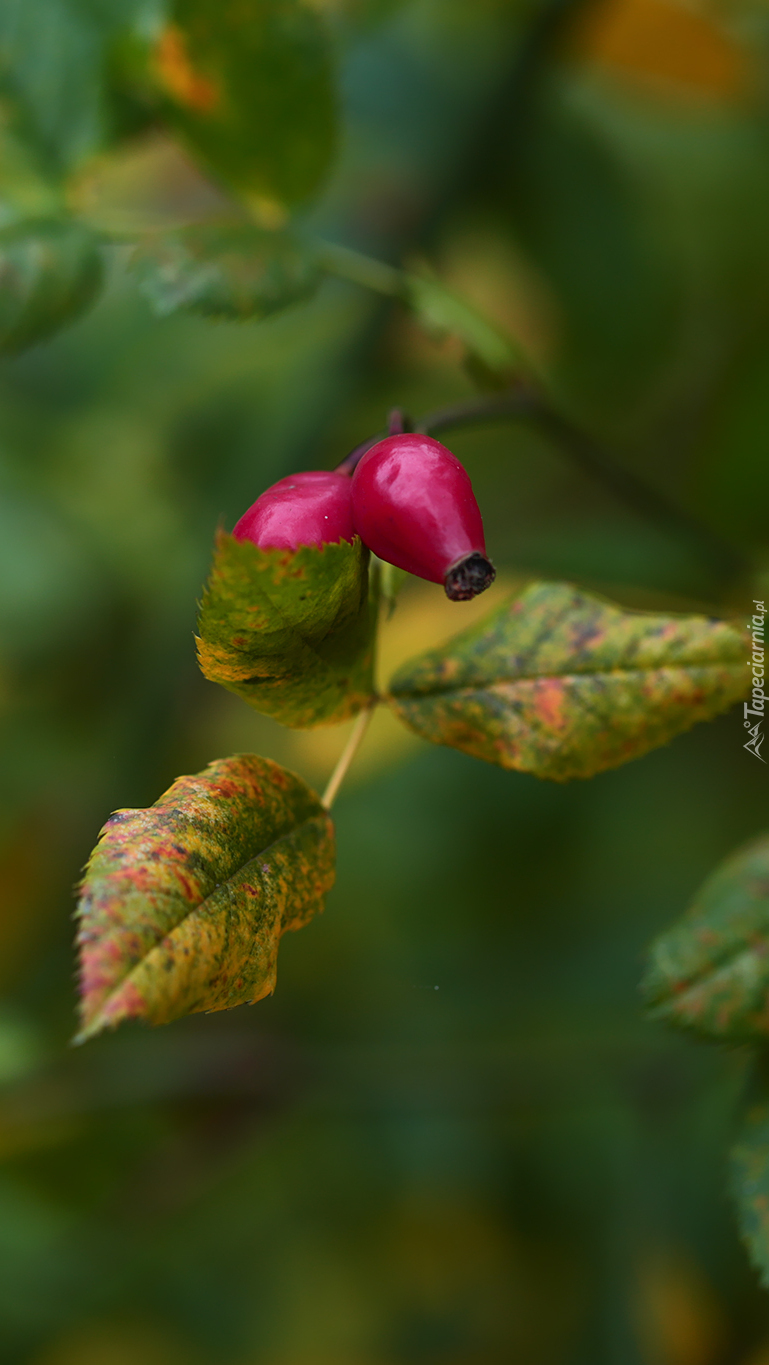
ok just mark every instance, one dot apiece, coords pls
pixel 450 1138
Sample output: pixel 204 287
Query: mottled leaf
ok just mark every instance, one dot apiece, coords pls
pixel 183 904
pixel 50 271
pixel 710 971
pixel 291 631
pixel 234 271
pixel 249 85
pixel 562 684
pixel 749 1182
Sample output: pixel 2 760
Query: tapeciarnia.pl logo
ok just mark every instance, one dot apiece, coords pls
pixel 755 707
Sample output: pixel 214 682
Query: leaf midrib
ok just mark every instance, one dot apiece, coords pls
pixel 624 670
pixel 193 909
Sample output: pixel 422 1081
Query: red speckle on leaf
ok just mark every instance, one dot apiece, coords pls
pixel 549 702
pixel 126 1003
pixel 228 790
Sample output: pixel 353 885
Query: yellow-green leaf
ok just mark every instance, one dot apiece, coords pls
pixel 291 631
pixel 710 972
pixel 563 684
pixel 183 904
pixel 249 84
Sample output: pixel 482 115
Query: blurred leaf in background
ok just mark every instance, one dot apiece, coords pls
pixel 252 91
pixel 225 272
pixel 50 271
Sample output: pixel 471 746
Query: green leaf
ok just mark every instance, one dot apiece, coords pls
pixel 50 271
pixel 562 684
pixel 291 631
pixel 249 85
pixel 710 972
pixel 234 271
pixel 25 193
pixel 493 356
pixel 444 313
pixel 749 1182
pixel 183 904
pixel 53 63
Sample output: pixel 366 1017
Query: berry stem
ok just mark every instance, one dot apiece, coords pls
pixel 525 402
pixel 350 461
pixel 398 423
pixel 347 755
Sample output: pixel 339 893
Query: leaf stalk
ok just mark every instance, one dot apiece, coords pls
pixel 347 755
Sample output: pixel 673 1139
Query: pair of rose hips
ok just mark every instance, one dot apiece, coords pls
pixel 410 501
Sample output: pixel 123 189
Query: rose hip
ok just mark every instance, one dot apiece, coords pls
pixel 313 508
pixel 413 505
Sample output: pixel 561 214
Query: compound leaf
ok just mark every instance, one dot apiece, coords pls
pixel 50 271
pixel 229 271
pixel 249 85
pixel 562 684
pixel 749 1181
pixel 183 904
pixel 291 631
pixel 710 972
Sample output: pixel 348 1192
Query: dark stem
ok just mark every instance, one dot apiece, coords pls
pixel 525 403
pixel 397 424
pixel 591 456
pixel 350 461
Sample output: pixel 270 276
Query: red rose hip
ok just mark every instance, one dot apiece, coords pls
pixel 413 505
pixel 313 508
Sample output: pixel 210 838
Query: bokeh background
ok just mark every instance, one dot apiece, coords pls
pixel 451 1137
